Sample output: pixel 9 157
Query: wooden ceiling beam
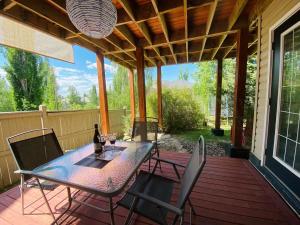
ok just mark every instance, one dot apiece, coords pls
pixel 237 10
pixel 128 7
pixel 46 12
pixel 186 31
pixel 210 18
pixel 145 12
pixel 7 5
pixel 163 24
pixel 112 39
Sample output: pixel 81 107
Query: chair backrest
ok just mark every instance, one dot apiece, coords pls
pixel 192 172
pixel 34 148
pixel 145 130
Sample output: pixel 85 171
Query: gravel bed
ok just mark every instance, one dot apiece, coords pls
pixel 172 143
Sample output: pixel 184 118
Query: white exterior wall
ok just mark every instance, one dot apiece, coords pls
pixel 271 16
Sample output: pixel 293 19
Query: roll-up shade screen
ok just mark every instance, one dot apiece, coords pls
pixel 17 35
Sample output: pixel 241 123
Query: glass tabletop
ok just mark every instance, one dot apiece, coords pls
pixel 107 180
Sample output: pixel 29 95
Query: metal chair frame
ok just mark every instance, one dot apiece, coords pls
pixel 177 210
pixel 24 173
pixel 156 150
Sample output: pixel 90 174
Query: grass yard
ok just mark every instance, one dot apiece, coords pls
pixel 193 135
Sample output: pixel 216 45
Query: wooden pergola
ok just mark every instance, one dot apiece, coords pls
pixel 156 33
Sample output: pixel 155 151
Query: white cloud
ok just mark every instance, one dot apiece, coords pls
pixel 108 68
pixel 59 70
pixel 90 65
pixel 82 81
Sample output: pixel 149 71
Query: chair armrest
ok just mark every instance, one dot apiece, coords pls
pixel 168 162
pixel 26 172
pixel 158 202
pixel 127 139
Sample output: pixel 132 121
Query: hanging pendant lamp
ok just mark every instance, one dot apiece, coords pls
pixel 94 18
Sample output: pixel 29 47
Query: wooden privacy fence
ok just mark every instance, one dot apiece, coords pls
pixel 73 129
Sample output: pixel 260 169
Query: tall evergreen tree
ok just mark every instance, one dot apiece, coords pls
pixel 73 99
pixel 26 74
pixel 92 98
pixel 51 97
pixel 6 97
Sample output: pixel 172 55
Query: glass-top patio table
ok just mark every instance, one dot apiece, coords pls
pixel 80 169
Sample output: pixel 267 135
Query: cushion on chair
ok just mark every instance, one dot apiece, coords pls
pixel 155 186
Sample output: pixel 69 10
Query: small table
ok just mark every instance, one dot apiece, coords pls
pixel 107 181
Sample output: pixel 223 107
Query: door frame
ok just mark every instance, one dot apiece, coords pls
pixel 285 17
pixel 275 145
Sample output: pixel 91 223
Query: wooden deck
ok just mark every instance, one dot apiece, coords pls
pixel 229 191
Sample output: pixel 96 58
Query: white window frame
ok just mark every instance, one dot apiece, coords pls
pixel 282 35
pixel 286 16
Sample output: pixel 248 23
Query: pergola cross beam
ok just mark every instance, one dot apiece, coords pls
pixel 163 23
pixel 210 18
pixel 237 10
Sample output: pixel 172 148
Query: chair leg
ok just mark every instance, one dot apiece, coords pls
pixel 47 203
pixel 149 161
pixel 22 192
pixel 181 220
pixel 129 216
pixel 157 153
pixel 175 220
pixel 192 207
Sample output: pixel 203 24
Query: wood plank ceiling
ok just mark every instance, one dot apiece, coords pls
pixel 170 31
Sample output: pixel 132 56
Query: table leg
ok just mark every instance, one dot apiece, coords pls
pixel 111 212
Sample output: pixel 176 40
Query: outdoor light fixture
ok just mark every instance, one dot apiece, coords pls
pixel 94 18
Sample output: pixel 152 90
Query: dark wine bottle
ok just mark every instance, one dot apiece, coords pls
pixel 97 145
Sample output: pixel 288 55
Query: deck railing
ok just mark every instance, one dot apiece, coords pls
pixel 73 129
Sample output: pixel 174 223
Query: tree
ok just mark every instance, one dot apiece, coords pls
pixel 204 86
pixel 73 99
pixel 92 98
pixel 6 97
pixel 51 98
pixel 26 75
pixel 183 75
pixel 118 92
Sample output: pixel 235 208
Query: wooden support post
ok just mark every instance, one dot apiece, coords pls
pixel 217 130
pixel 141 82
pixel 239 94
pixel 159 96
pixel 132 96
pixel 102 94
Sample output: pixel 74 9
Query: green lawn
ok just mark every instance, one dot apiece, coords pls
pixel 193 135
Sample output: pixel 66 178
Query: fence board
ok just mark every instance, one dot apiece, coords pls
pixel 73 129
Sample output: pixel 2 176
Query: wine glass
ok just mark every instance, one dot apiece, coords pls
pixel 112 140
pixel 102 140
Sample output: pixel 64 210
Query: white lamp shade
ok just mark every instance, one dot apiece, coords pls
pixel 94 18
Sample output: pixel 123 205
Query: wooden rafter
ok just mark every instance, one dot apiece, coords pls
pixel 238 8
pixel 186 31
pixel 142 26
pixel 163 23
pixel 210 18
pixel 48 13
pixel 153 25
pixel 111 38
pixel 144 11
pixel 7 5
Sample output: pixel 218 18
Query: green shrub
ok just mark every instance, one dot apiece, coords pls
pixel 181 110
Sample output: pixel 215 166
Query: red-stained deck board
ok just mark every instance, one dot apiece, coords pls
pixel 229 191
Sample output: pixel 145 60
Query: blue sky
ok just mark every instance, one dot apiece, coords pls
pixel 83 73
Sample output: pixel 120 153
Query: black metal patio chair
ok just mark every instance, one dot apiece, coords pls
pixel 150 194
pixel 146 131
pixel 31 149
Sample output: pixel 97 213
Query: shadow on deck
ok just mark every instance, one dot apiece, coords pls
pixel 229 191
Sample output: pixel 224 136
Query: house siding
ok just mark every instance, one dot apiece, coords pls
pixel 273 13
